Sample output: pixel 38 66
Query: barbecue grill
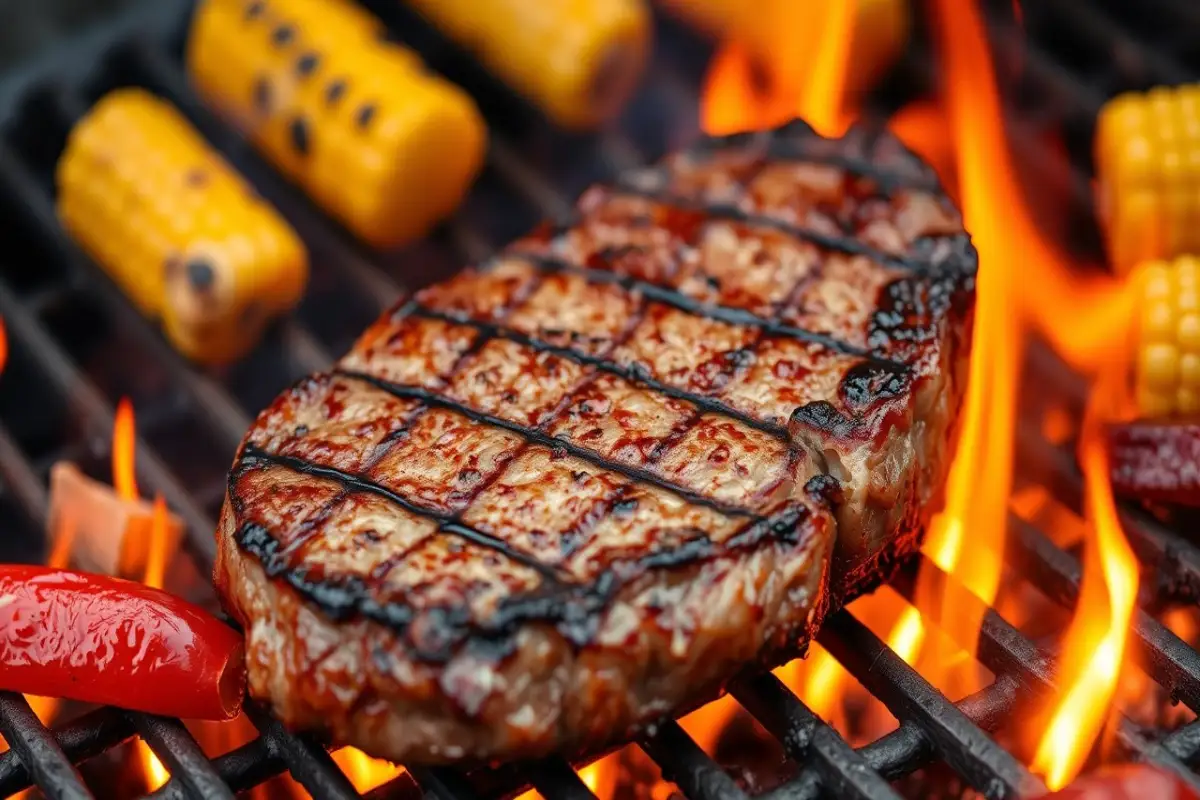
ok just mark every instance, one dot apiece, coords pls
pixel 77 345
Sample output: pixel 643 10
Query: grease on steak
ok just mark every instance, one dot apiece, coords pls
pixel 570 491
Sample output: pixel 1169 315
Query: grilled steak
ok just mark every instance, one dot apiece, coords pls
pixel 567 492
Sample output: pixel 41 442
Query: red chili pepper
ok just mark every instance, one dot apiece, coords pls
pixel 1126 782
pixel 114 642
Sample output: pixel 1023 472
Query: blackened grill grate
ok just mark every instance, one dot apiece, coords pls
pixel 77 344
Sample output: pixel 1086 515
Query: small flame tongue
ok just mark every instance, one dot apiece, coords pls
pixel 124 440
pixel 741 95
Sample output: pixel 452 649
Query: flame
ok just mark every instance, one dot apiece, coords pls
pixel 123 443
pixel 737 97
pixel 3 345
pixel 365 772
pixel 921 125
pixel 706 723
pixel 1086 331
pixel 820 681
pixel 980 478
pixel 601 776
pixel 1095 642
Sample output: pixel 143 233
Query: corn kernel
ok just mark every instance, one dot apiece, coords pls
pixel 1160 365
pixel 1160 320
pixel 175 227
pixel 376 140
pixel 1166 370
pixel 1147 153
pixel 1187 401
pixel 1189 369
pixel 1189 329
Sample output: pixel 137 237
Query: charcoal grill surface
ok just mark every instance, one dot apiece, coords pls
pixel 77 345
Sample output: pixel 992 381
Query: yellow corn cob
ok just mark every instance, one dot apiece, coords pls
pixel 577 60
pixel 374 139
pixel 779 33
pixel 1147 153
pixel 175 227
pixel 1167 367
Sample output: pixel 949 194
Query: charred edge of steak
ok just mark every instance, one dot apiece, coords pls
pixel 574 609
pixel 855 152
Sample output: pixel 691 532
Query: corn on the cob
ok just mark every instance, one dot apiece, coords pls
pixel 1147 153
pixel 1167 366
pixel 577 60
pixel 382 145
pixel 175 227
pixel 779 34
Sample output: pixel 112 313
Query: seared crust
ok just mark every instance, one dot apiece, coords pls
pixel 560 495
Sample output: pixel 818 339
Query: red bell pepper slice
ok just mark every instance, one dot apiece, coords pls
pixel 114 642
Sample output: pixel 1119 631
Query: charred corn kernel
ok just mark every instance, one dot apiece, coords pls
pixel 1147 153
pixel 175 227
pixel 576 60
pixel 777 33
pixel 379 143
pixel 1166 372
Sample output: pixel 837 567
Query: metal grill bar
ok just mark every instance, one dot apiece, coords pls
pixel 806 738
pixel 80 739
pixel 39 752
pixel 972 753
pixel 687 766
pixel 182 755
pixel 247 766
pixel 555 778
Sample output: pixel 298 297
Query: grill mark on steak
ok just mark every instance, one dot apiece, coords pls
pixel 535 436
pixel 631 373
pixel 673 298
pixel 573 608
pixel 447 523
pixel 726 211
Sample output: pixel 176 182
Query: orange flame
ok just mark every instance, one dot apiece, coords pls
pixel 921 125
pixel 364 772
pixel 980 478
pixel 123 444
pixel 1096 639
pixel 737 98
pixel 706 723
pixel 1006 236
pixel 601 776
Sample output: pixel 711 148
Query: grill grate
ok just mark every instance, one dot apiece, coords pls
pixel 68 324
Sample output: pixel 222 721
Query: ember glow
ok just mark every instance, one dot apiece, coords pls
pixel 741 96
pixel 364 772
pixel 601 776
